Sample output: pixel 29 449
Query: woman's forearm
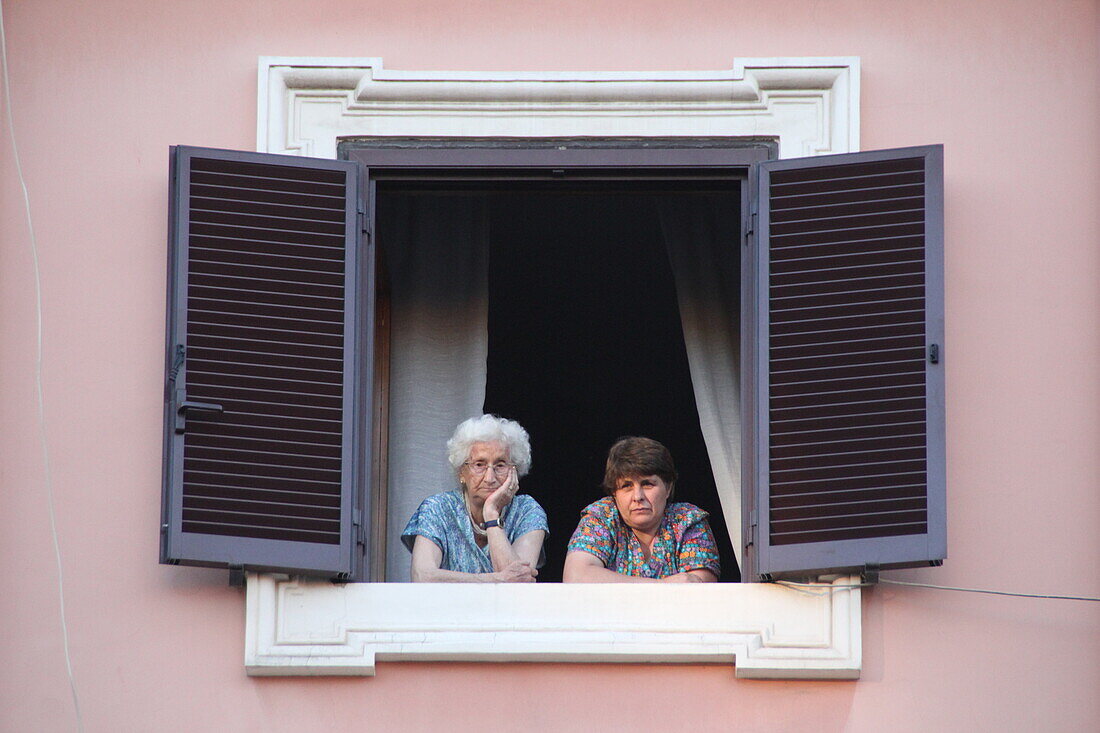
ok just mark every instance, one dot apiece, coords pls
pixel 581 567
pixel 603 575
pixel 500 549
pixel 439 575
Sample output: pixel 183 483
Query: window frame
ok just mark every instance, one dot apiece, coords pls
pixel 566 161
pixel 305 106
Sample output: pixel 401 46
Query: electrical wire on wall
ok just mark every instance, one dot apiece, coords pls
pixel 38 370
pixel 824 587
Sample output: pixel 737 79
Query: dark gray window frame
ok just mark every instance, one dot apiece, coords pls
pixel 558 161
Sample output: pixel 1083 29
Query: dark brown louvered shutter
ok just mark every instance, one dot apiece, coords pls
pixel 261 451
pixel 849 405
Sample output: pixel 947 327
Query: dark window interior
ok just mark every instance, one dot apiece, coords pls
pixel 585 346
pixel 585 342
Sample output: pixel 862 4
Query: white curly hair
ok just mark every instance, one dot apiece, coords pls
pixel 486 428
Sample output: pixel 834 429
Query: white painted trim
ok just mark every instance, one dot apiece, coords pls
pixel 810 105
pixel 297 627
pixel 305 106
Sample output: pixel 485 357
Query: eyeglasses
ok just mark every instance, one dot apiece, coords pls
pixel 478 468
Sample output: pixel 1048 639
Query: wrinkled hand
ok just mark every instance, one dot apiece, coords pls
pixel 502 497
pixel 517 572
pixel 682 578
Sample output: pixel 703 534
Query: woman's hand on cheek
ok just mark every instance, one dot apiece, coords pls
pixel 502 497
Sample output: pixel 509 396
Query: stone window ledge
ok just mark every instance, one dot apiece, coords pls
pixel 305 627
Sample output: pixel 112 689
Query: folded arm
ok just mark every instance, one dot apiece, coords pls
pixel 427 557
pixel 584 567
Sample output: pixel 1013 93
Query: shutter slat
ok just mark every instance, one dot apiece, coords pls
pixel 309 456
pixel 272 235
pixel 226 477
pixel 848 244
pixel 295 275
pixel 824 221
pixel 276 351
pixel 270 442
pixel 241 244
pixel 301 212
pixel 290 221
pixel 268 469
pixel 249 367
pixel 866 456
pixel 246 196
pixel 844 496
pixel 837 484
pixel 860 195
pixel 293 338
pixel 239 429
pixel 284 508
pixel 841 509
pixel 211 392
pixel 817 311
pixel 265 314
pixel 224 492
pixel 235 256
pixel 870 442
pixel 281 534
pixel 274 322
pixel 827 383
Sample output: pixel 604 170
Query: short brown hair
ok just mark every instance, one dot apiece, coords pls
pixel 637 456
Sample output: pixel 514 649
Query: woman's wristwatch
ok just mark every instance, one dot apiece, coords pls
pixel 492 523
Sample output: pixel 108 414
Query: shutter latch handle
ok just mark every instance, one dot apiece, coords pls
pixel 185 405
pixel 201 406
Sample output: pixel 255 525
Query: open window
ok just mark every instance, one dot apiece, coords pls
pixel 293 430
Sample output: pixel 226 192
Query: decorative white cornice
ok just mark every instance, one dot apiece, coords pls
pixel 297 627
pixel 810 105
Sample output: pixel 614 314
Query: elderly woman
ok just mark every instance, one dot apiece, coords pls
pixel 480 532
pixel 634 535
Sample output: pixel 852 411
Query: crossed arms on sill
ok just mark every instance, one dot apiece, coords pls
pixel 515 563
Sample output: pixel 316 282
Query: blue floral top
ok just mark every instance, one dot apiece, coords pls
pixel 442 518
pixel 684 541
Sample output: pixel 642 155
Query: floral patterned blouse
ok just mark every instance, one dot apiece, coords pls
pixel 684 541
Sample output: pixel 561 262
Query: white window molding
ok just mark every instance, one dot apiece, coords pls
pixel 810 105
pixel 299 627
pixel 296 627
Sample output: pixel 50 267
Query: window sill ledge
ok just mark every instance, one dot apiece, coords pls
pixel 303 627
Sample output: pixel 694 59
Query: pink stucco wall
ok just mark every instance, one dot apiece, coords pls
pixel 100 90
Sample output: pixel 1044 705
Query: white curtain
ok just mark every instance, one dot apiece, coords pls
pixel 436 250
pixel 702 241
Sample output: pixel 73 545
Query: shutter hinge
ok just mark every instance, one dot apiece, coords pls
pixel 869 575
pixel 934 354
pixel 364 223
pixel 752 535
pixel 173 373
pixel 357 522
pixel 236 576
pixel 177 363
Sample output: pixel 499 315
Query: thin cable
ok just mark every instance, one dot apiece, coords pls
pixel 990 592
pixel 38 372
pixel 817 589
pixel 795 585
